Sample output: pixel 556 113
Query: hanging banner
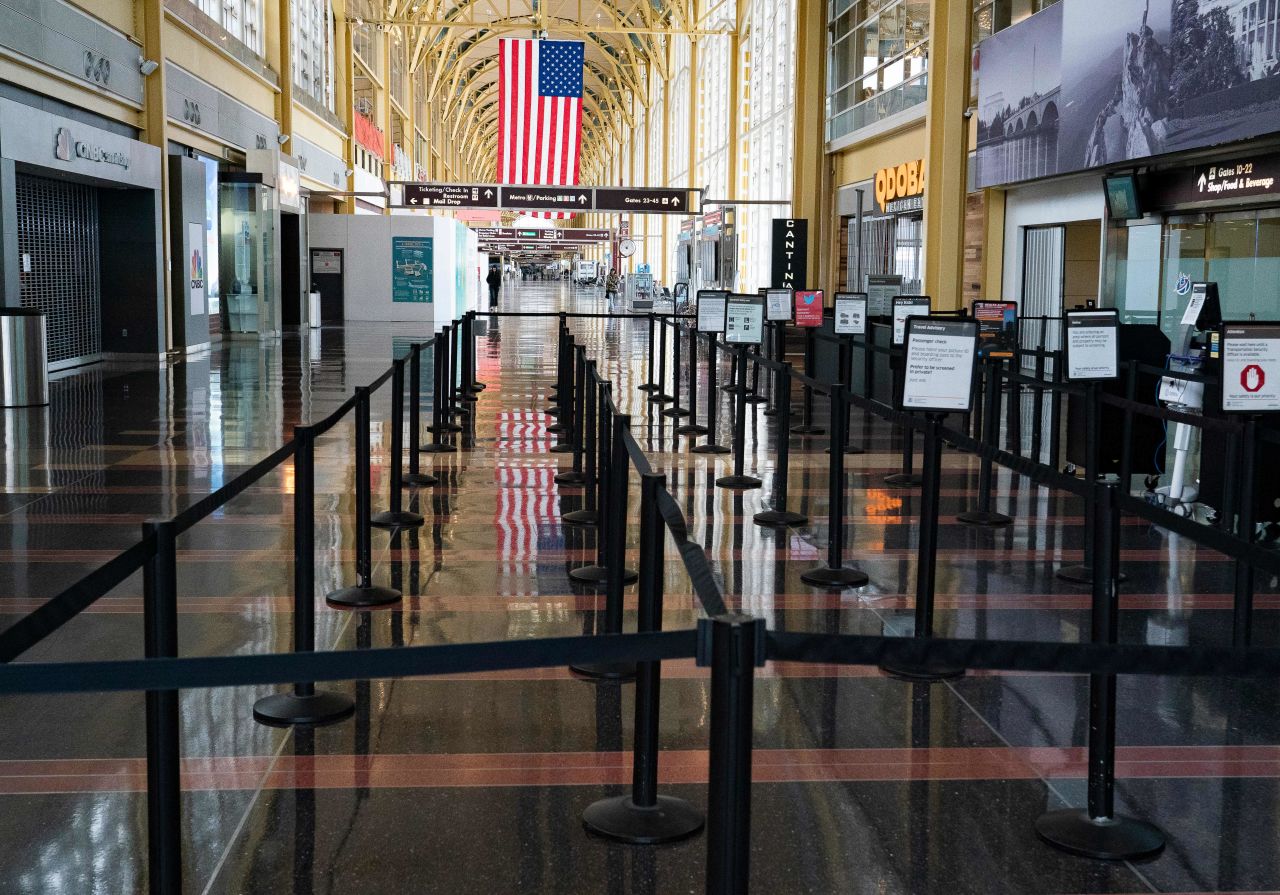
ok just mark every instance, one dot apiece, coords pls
pixel 744 319
pixel 711 310
pixel 411 269
pixel 1251 368
pixel 790 253
pixel 997 328
pixel 809 308
pixel 1093 344
pixel 941 352
pixel 778 305
pixel 882 289
pixel 904 307
pixel 851 314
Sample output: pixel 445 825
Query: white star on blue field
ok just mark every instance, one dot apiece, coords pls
pixel 560 67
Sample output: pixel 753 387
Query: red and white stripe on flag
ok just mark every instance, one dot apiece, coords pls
pixel 539 117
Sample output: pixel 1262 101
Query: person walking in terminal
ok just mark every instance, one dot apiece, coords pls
pixel 495 285
pixel 611 283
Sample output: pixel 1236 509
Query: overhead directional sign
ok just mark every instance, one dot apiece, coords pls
pixel 571 235
pixel 546 198
pixel 643 201
pixel 450 195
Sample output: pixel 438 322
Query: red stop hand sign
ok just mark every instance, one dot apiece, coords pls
pixel 1252 378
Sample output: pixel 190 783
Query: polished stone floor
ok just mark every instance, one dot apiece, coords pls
pixel 476 783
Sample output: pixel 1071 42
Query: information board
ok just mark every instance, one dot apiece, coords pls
pixel 809 308
pixel 997 328
pixel 412 269
pixel 778 305
pixel 1251 367
pixel 851 314
pixel 941 352
pixel 882 289
pixel 744 319
pixel 1093 344
pixel 905 306
pixel 711 310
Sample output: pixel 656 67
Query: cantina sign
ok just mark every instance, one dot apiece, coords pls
pixel 901 188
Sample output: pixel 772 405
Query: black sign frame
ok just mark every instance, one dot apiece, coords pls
pixel 1105 317
pixel 913 325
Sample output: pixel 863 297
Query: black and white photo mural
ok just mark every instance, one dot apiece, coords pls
pixel 1128 79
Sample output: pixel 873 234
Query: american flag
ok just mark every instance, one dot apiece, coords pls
pixel 539 112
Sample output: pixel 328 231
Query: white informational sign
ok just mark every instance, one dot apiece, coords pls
pixel 711 310
pixel 1093 345
pixel 1194 305
pixel 326 261
pixel 778 304
pixel 941 353
pixel 744 320
pixel 197 268
pixel 905 306
pixel 1251 367
pixel 851 314
pixel 882 289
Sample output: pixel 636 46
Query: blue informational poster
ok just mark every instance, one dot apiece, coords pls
pixel 411 271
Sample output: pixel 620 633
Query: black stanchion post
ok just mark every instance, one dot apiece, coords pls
pixel 1242 614
pixel 692 427
pixel 739 480
pixel 835 573
pixel 660 396
pixel 594 573
pixel 164 757
pixel 675 410
pixel 773 351
pixel 589 514
pixel 644 817
pixel 438 443
pixel 564 385
pixel 467 390
pixel 780 515
pixel 735 647
pixel 450 368
pixel 364 593
pixel 574 476
pixel 753 393
pixel 927 559
pixel 984 515
pixel 415 478
pixel 806 425
pixel 555 396
pixel 845 366
pixel 713 402
pixel 1082 573
pixel 649 385
pixel 397 516
pixel 907 478
pixel 304 705
pixel 1097 831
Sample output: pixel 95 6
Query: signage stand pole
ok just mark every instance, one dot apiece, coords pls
pixel 927 561
pixel 740 481
pixel 1082 573
pixel 692 427
pixel 649 385
pixel 984 515
pixel 780 515
pixel 1242 611
pixel 569 399
pixel 415 478
pixel 713 403
pixel 438 443
pixel 589 514
pixel 845 361
pixel 806 426
pixel 835 573
pixel 773 351
pixel 397 516
pixel 675 410
pixel 753 393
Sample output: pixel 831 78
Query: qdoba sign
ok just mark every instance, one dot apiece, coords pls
pixel 901 188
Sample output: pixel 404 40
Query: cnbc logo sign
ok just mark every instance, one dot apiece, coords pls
pixel 65 149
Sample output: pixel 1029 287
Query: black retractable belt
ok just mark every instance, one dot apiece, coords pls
pixel 692 427
pixel 835 573
pixel 984 515
pixel 927 560
pixel 164 750
pixel 415 478
pixel 739 480
pixel 780 515
pixel 1097 831
pixel 644 817
pixel 675 410
pixel 806 425
pixel 713 402
pixel 363 594
pixel 397 516
pixel 304 705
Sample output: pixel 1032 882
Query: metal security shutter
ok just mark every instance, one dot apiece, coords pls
pixel 58 228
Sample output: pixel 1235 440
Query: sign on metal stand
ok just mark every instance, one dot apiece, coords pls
pixel 711 310
pixel 904 307
pixel 778 305
pixel 744 320
pixel 1251 367
pixel 941 353
pixel 1092 344
pixel 851 314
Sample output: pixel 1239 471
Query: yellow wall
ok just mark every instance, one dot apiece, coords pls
pixel 862 161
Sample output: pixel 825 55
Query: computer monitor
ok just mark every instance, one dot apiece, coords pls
pixel 1122 197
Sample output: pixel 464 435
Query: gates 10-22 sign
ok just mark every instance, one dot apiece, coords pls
pixel 901 188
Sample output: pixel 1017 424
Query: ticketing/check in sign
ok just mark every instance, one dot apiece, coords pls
pixel 450 195
pixel 1251 367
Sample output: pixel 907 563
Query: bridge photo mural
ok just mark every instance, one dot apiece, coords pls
pixel 1089 83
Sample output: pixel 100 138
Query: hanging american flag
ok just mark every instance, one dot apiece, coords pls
pixel 539 112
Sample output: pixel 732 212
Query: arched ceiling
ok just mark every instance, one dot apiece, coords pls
pixel 454 53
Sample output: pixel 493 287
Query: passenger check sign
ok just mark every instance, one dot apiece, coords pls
pixel 1251 367
pixel 941 353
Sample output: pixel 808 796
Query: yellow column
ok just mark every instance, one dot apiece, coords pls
pixel 155 123
pixel 947 129
pixel 666 160
pixel 344 61
pixel 811 171
pixel 388 158
pixel 282 48
pixel 693 111
pixel 993 245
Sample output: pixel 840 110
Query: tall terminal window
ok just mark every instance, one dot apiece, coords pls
pixel 312 22
pixel 877 61
pixel 242 19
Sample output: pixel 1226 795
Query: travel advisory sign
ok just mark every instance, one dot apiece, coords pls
pixel 1250 368
pixel 939 367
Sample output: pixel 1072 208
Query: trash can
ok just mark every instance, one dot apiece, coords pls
pixel 24 367
pixel 313 310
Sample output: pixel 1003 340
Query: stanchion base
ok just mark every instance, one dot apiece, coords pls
pixel 675 411
pixel 779 518
pixel 622 820
pixel 738 482
pixel 692 429
pixel 1082 574
pixel 825 576
pixel 451 427
pixel 710 449
pixel 1107 839
pixel 418 480
pixel 563 447
pixel 904 480
pixel 647 387
pixel 316 710
pixel 984 517
pixel 402 519
pixel 469 397
pixel 772 411
pixel 732 389
pixel 570 478
pixel 660 399
pixel 581 517
pixel 756 399
pixel 437 447
pixel 556 429
pixel 808 430
pixel 922 674
pixel 358 597
pixel 551 411
pixel 592 574
pixel 850 450
pixel 478 386
pixel 605 672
